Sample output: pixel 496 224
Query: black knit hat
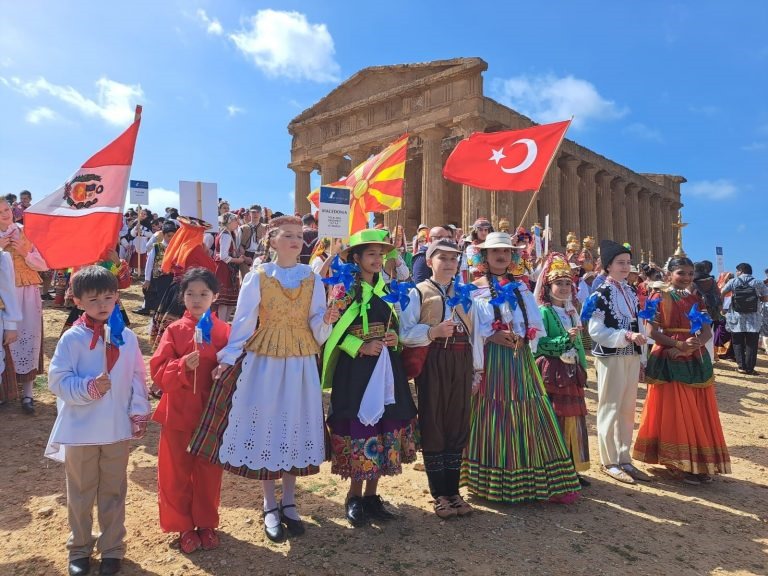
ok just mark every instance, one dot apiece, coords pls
pixel 609 250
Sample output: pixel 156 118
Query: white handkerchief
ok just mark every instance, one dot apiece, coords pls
pixel 379 392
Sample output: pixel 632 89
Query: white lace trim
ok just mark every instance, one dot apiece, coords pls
pixel 288 277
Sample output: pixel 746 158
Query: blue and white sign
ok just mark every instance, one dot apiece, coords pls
pixel 334 212
pixel 720 260
pixel 139 192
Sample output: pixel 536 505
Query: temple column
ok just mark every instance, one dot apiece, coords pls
pixel 569 197
pixel 618 196
pixel 475 201
pixel 550 205
pixel 302 188
pixel 604 207
pixel 633 219
pixel 657 228
pixel 646 232
pixel 330 167
pixel 432 176
pixel 587 200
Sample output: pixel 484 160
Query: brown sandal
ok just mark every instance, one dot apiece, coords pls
pixel 444 509
pixel 461 507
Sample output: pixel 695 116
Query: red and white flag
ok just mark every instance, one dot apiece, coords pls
pixel 513 160
pixel 77 223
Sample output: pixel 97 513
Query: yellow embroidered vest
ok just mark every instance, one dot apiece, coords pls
pixel 432 306
pixel 25 276
pixel 284 320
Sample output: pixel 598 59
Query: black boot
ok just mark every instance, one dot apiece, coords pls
pixel 355 511
pixel 374 508
pixel 79 566
pixel 433 464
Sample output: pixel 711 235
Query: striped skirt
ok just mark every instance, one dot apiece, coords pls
pixel 516 451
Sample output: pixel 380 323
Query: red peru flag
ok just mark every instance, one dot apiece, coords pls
pixel 515 160
pixel 79 221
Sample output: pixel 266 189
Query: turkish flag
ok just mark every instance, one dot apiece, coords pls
pixel 514 160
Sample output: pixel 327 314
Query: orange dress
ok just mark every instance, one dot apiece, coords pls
pixel 680 424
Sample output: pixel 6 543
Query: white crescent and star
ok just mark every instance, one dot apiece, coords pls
pixel 530 156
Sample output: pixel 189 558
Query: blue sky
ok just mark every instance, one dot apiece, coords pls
pixel 660 87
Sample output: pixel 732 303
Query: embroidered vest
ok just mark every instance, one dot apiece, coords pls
pixel 284 319
pixel 158 263
pixel 433 306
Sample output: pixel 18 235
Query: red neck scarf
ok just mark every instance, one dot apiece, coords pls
pixel 113 352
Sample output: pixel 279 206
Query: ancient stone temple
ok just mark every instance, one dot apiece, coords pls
pixel 439 103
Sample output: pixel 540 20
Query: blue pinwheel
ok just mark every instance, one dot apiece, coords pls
pixel 698 319
pixel 649 312
pixel 116 325
pixel 589 307
pixel 342 273
pixel 462 294
pixel 505 293
pixel 399 293
pixel 203 328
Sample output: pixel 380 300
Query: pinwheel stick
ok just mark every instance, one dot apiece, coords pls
pixel 107 339
pixel 198 337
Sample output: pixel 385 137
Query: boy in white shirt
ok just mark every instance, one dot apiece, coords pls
pixel 102 403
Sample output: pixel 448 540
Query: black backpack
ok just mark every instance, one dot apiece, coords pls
pixel 744 299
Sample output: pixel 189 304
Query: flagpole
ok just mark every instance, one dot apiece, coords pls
pixel 549 164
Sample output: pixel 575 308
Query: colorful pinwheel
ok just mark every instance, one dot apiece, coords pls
pixel 203 328
pixel 505 293
pixel 462 294
pixel 698 319
pixel 399 293
pixel 589 307
pixel 343 273
pixel 115 326
pixel 649 312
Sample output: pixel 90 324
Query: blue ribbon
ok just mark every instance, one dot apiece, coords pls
pixel 462 294
pixel 589 307
pixel 649 312
pixel 698 319
pixel 342 273
pixel 116 326
pixel 505 293
pixel 205 324
pixel 399 293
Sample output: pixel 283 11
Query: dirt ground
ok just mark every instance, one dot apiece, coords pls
pixel 664 527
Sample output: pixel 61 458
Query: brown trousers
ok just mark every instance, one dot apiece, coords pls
pixel 97 474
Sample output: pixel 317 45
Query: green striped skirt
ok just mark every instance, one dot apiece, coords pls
pixel 516 451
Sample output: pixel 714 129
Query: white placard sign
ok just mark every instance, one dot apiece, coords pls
pixel 201 200
pixel 720 259
pixel 139 192
pixel 334 212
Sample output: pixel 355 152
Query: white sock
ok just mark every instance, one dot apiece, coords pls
pixel 270 503
pixel 289 496
pixel 28 388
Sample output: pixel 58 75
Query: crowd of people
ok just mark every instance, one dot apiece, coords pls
pixel 495 335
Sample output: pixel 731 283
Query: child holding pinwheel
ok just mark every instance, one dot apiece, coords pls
pixel 436 327
pixel 97 374
pixel 371 411
pixel 515 452
pixel 680 425
pixel 182 366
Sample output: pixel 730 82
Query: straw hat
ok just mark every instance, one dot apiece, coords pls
pixel 499 240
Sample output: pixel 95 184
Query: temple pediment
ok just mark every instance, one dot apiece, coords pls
pixel 378 81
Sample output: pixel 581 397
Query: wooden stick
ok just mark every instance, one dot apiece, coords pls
pixel 198 338
pixel 107 343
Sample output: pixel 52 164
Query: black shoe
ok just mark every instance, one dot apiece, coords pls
pixel 276 533
pixel 374 507
pixel 46 296
pixel 583 481
pixel 143 312
pixel 109 566
pixel 28 405
pixel 752 373
pixel 355 511
pixel 79 567
pixel 295 527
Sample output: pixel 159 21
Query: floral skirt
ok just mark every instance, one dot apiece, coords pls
pixel 364 452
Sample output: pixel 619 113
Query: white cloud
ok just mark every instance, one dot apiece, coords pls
pixel 159 200
pixel 6 62
pixel 233 110
pixel 721 189
pixel 643 132
pixel 212 25
pixel 39 115
pixel 114 102
pixel 286 44
pixel 548 98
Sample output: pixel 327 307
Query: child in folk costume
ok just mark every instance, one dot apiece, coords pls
pixel 680 425
pixel 140 234
pixel 560 356
pixel 27 350
pixel 184 251
pixel 617 345
pixel 156 282
pixel 10 316
pixel 445 382
pixel 182 367
pixel 228 260
pixel 102 404
pixel 371 413
pixel 515 451
pixel 265 416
